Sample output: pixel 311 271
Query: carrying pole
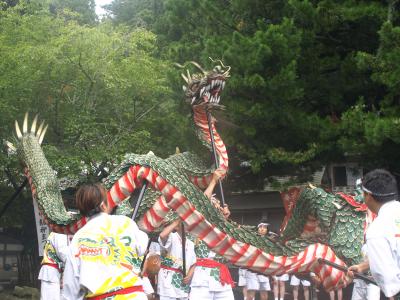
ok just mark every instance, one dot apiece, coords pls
pixel 216 161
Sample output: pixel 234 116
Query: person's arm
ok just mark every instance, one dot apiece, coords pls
pixel 167 231
pixel 360 268
pixel 383 265
pixel 71 286
pixel 189 275
pixel 217 175
pixel 191 262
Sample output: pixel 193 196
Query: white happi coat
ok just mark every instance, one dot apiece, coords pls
pixel 105 256
pixel 170 283
pixel 383 244
pixel 205 283
pixel 363 290
pixel 54 256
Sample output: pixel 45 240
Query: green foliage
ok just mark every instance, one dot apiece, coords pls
pixel 101 89
pixel 296 72
pixel 312 81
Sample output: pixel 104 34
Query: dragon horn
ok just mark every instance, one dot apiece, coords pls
pixel 188 74
pixel 198 66
pixel 25 124
pixel 184 78
pixel 226 73
pixel 40 129
pixel 42 134
pixel 179 65
pixel 17 130
pixel 33 128
pixel 177 150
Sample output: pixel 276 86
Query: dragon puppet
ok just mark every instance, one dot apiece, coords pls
pixel 321 225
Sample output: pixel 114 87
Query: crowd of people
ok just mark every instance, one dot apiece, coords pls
pixel 104 259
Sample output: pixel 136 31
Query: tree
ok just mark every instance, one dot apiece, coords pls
pixel 101 90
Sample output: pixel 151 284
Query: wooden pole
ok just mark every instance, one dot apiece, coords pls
pixel 344 269
pixel 139 200
pixel 215 153
pixel 183 249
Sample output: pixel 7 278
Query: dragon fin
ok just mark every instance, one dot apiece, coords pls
pixel 17 130
pixel 40 129
pixel 33 128
pixel 42 134
pixel 25 124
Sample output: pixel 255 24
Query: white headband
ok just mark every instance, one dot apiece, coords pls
pixel 376 194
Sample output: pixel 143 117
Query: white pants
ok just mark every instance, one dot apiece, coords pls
pixel 364 291
pixel 203 293
pixel 50 290
pixel 284 277
pixel 296 281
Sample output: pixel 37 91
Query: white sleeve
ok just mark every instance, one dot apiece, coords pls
pixel 383 265
pixel 71 286
pixel 191 255
pixel 60 244
pixel 141 239
pixel 154 248
pixel 168 243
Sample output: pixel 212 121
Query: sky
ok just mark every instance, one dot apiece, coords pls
pixel 99 3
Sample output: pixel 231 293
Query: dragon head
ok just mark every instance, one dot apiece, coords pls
pixel 205 87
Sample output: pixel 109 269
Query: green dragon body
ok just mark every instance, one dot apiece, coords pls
pixel 176 184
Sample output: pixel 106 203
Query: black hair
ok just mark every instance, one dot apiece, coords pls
pixel 381 184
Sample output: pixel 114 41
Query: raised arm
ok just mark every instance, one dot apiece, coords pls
pixel 167 231
pixel 217 175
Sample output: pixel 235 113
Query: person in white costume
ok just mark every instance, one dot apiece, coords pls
pixel 209 277
pixel 383 235
pixel 103 261
pixel 170 277
pixel 279 286
pixel 295 282
pixel 363 290
pixel 54 256
pixel 256 282
pixel 242 281
pixel 150 279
